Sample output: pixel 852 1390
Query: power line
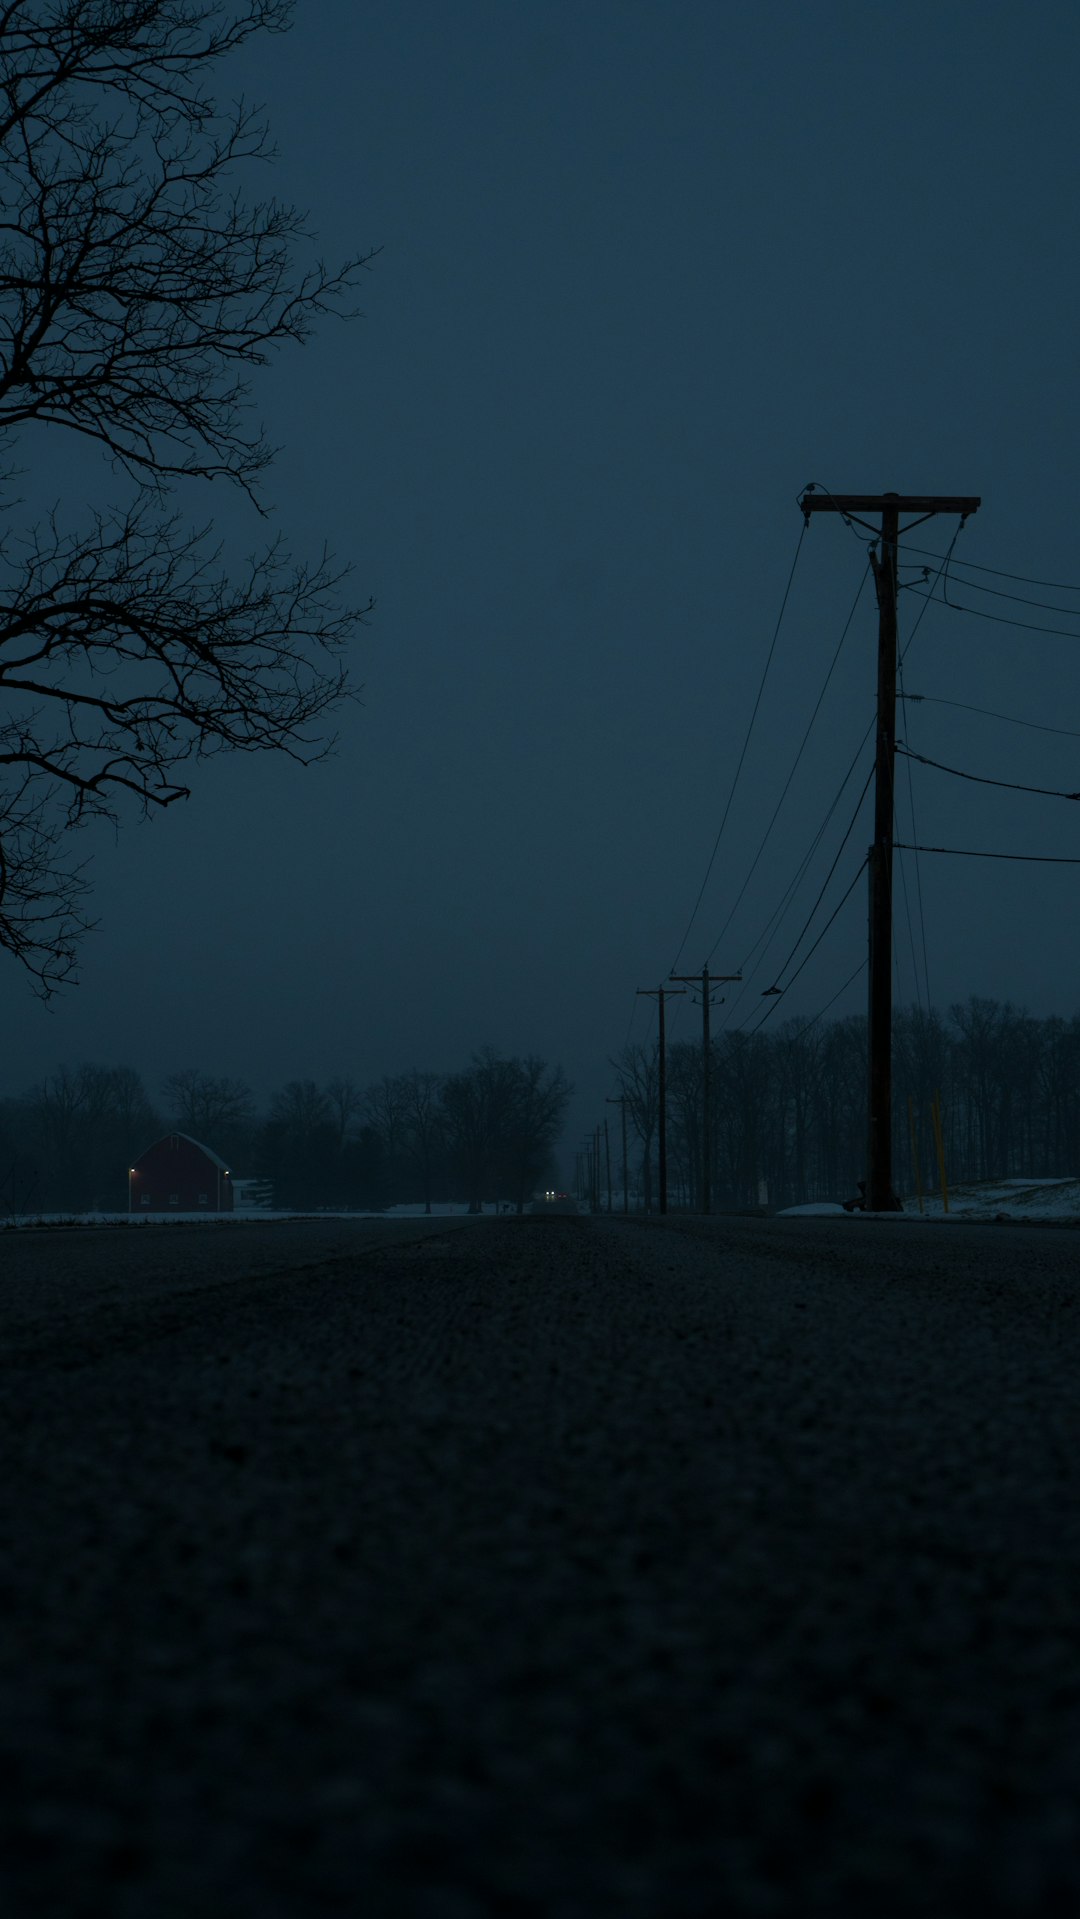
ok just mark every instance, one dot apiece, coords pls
pixel 946 561
pixel 910 932
pixel 1012 786
pixel 813 949
pixel 745 745
pixel 776 918
pixel 1023 579
pixel 825 882
pixel 1020 599
pixel 861 968
pixel 996 619
pixel 902 653
pixel 918 872
pixel 967 853
pixel 931 699
pixel 775 999
pixel 779 913
pixel 794 767
pixel 903 862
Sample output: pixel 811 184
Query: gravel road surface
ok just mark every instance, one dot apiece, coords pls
pixel 552 1568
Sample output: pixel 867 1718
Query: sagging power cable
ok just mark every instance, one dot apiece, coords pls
pixel 988 713
pixel 742 755
pixel 1012 786
pixel 794 766
pixel 776 997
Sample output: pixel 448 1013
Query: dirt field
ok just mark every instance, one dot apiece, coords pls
pixel 548 1567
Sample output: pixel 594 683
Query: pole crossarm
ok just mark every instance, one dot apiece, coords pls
pixel 714 979
pixel 924 503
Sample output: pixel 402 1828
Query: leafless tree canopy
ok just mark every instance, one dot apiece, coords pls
pixel 138 290
pixel 208 1106
pixel 788 1104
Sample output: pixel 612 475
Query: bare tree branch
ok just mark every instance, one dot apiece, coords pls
pixel 137 292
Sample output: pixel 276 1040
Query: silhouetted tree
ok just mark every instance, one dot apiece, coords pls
pixel 796 1054
pixel 298 1146
pixel 385 1109
pixel 79 1132
pixel 424 1128
pixel 840 1096
pixel 744 1085
pixel 1059 1093
pixel 346 1102
pixel 502 1118
pixel 638 1069
pixel 684 1103
pixel 476 1107
pixel 137 294
pixel 216 1110
pixel 532 1126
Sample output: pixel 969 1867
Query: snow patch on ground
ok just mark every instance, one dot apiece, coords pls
pixel 1034 1199
pixel 820 1209
pixel 1047 1199
pixel 241 1216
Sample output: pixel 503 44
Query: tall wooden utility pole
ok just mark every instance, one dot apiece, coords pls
pixel 880 1197
pixel 704 979
pixel 660 994
pixel 621 1101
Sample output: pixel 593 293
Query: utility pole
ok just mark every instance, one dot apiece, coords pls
pixel 607 1156
pixel 660 994
pixel 880 1197
pixel 704 979
pixel 621 1101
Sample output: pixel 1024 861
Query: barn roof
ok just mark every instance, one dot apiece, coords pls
pixel 176 1134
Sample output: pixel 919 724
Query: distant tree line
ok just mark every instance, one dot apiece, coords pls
pixel 485 1134
pixel 788 1106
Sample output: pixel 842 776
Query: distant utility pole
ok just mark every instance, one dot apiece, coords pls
pixel 660 994
pixel 879 1189
pixel 705 980
pixel 621 1101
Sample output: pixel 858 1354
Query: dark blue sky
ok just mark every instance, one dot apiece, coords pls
pixel 645 271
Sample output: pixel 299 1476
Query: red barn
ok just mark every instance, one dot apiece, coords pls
pixel 177 1175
